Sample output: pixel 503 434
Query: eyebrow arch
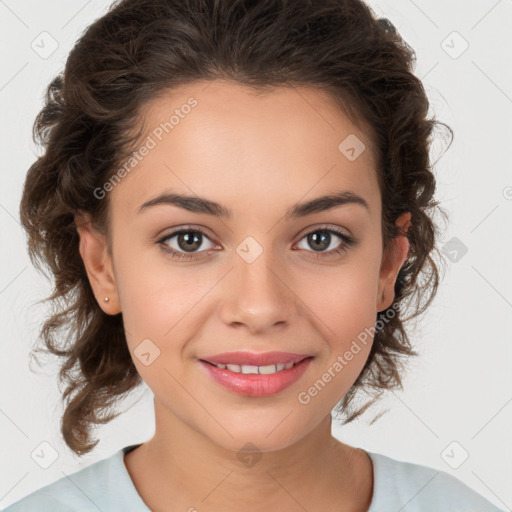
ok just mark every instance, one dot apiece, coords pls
pixel 201 205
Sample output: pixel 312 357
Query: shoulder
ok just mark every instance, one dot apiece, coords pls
pixel 417 488
pixel 69 493
pixel 104 485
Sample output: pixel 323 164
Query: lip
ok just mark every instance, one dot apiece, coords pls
pixel 257 385
pixel 255 359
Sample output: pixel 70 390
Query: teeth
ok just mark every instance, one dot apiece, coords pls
pixel 249 369
pixel 263 370
pixel 266 370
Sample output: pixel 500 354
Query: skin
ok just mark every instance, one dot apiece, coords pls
pixel 256 154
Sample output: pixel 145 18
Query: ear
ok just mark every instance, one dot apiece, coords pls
pixel 98 264
pixel 393 258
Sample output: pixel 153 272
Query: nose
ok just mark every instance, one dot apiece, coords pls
pixel 257 294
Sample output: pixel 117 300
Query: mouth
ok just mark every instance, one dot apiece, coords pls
pixel 256 380
pixel 247 369
pixel 244 358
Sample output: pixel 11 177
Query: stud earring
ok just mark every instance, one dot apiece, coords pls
pixel 106 299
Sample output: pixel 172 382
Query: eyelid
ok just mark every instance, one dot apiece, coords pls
pixel 186 229
pixel 328 227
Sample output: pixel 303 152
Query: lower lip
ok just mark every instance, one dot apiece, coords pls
pixel 252 384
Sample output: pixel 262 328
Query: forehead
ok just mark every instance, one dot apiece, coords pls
pixel 223 140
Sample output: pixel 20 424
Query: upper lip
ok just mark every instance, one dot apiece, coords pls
pixel 255 359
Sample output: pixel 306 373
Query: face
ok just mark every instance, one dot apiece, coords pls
pixel 261 278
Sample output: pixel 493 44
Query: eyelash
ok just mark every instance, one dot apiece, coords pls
pixel 347 242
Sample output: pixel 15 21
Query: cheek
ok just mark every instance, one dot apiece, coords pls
pixel 343 299
pixel 160 308
pixel 352 313
pixel 344 307
pixel 152 294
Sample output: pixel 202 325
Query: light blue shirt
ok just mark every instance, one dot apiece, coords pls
pixel 106 486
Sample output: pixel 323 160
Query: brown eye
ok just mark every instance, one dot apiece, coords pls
pixel 186 243
pixel 189 241
pixel 321 239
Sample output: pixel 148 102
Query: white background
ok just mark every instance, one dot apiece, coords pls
pixel 458 390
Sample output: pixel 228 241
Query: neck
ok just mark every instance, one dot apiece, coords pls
pixel 181 466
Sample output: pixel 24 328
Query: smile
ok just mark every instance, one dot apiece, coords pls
pixel 256 381
pixel 263 370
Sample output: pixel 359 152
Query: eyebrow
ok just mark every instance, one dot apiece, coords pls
pixel 197 204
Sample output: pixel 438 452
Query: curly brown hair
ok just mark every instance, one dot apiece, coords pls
pixel 142 48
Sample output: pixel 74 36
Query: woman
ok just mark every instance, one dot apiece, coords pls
pixel 235 201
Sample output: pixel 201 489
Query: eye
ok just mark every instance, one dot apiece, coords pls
pixel 186 245
pixel 321 239
pixel 189 240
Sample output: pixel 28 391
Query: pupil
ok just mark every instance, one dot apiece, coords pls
pixel 191 241
pixel 322 241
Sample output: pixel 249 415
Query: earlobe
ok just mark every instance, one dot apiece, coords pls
pixel 98 264
pixel 392 260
